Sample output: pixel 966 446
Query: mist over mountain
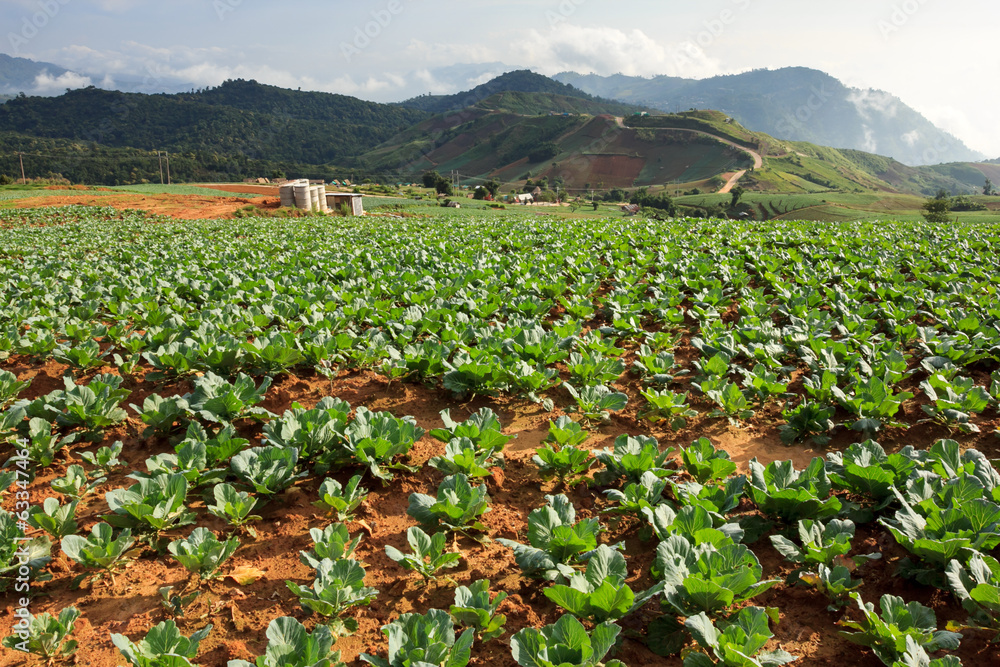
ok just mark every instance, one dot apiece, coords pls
pixel 797 104
pixel 21 75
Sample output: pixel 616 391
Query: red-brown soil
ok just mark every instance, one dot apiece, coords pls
pixel 240 614
pixel 181 207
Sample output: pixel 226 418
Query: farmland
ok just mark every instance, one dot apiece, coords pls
pixel 641 432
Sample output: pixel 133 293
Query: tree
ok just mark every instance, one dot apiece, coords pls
pixel 662 201
pixel 936 210
pixel 431 178
pixel 964 203
pixel 736 193
pixel 443 186
pixel 616 195
pixel 493 187
pixel 988 189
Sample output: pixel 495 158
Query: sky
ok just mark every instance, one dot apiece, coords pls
pixel 939 57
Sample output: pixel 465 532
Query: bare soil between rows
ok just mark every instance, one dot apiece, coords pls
pixel 240 614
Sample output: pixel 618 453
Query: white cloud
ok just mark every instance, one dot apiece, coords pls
pixel 609 51
pixel 430 54
pixel 444 81
pixel 911 138
pixel 964 124
pixel 159 67
pixel 46 84
pixel 868 101
pixel 870 144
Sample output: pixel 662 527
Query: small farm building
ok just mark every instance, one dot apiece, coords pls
pixel 353 201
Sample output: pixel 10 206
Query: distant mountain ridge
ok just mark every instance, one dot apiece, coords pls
pixel 519 81
pixel 792 103
pixel 795 104
pixel 527 125
pixel 19 75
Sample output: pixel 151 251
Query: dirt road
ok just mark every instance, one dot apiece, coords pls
pixel 758 161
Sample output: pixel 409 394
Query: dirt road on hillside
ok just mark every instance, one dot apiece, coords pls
pixel 758 161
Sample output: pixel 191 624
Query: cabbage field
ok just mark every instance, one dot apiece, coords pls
pixel 508 440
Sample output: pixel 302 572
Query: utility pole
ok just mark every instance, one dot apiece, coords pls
pixel 20 156
pixel 168 166
pixel 160 158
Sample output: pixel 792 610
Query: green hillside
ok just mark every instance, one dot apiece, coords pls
pixel 517 126
pixel 579 149
pixel 969 175
pixel 712 122
pixel 537 104
pixel 499 138
pixel 238 120
pixel 794 104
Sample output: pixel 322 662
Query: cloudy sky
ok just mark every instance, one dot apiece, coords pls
pixel 939 57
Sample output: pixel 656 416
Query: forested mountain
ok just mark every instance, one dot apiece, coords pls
pixel 517 124
pixel 238 117
pixel 520 81
pixel 796 104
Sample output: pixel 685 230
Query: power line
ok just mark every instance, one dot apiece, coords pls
pixel 77 156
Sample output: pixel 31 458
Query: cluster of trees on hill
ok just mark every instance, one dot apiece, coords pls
pixel 937 208
pixel 96 164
